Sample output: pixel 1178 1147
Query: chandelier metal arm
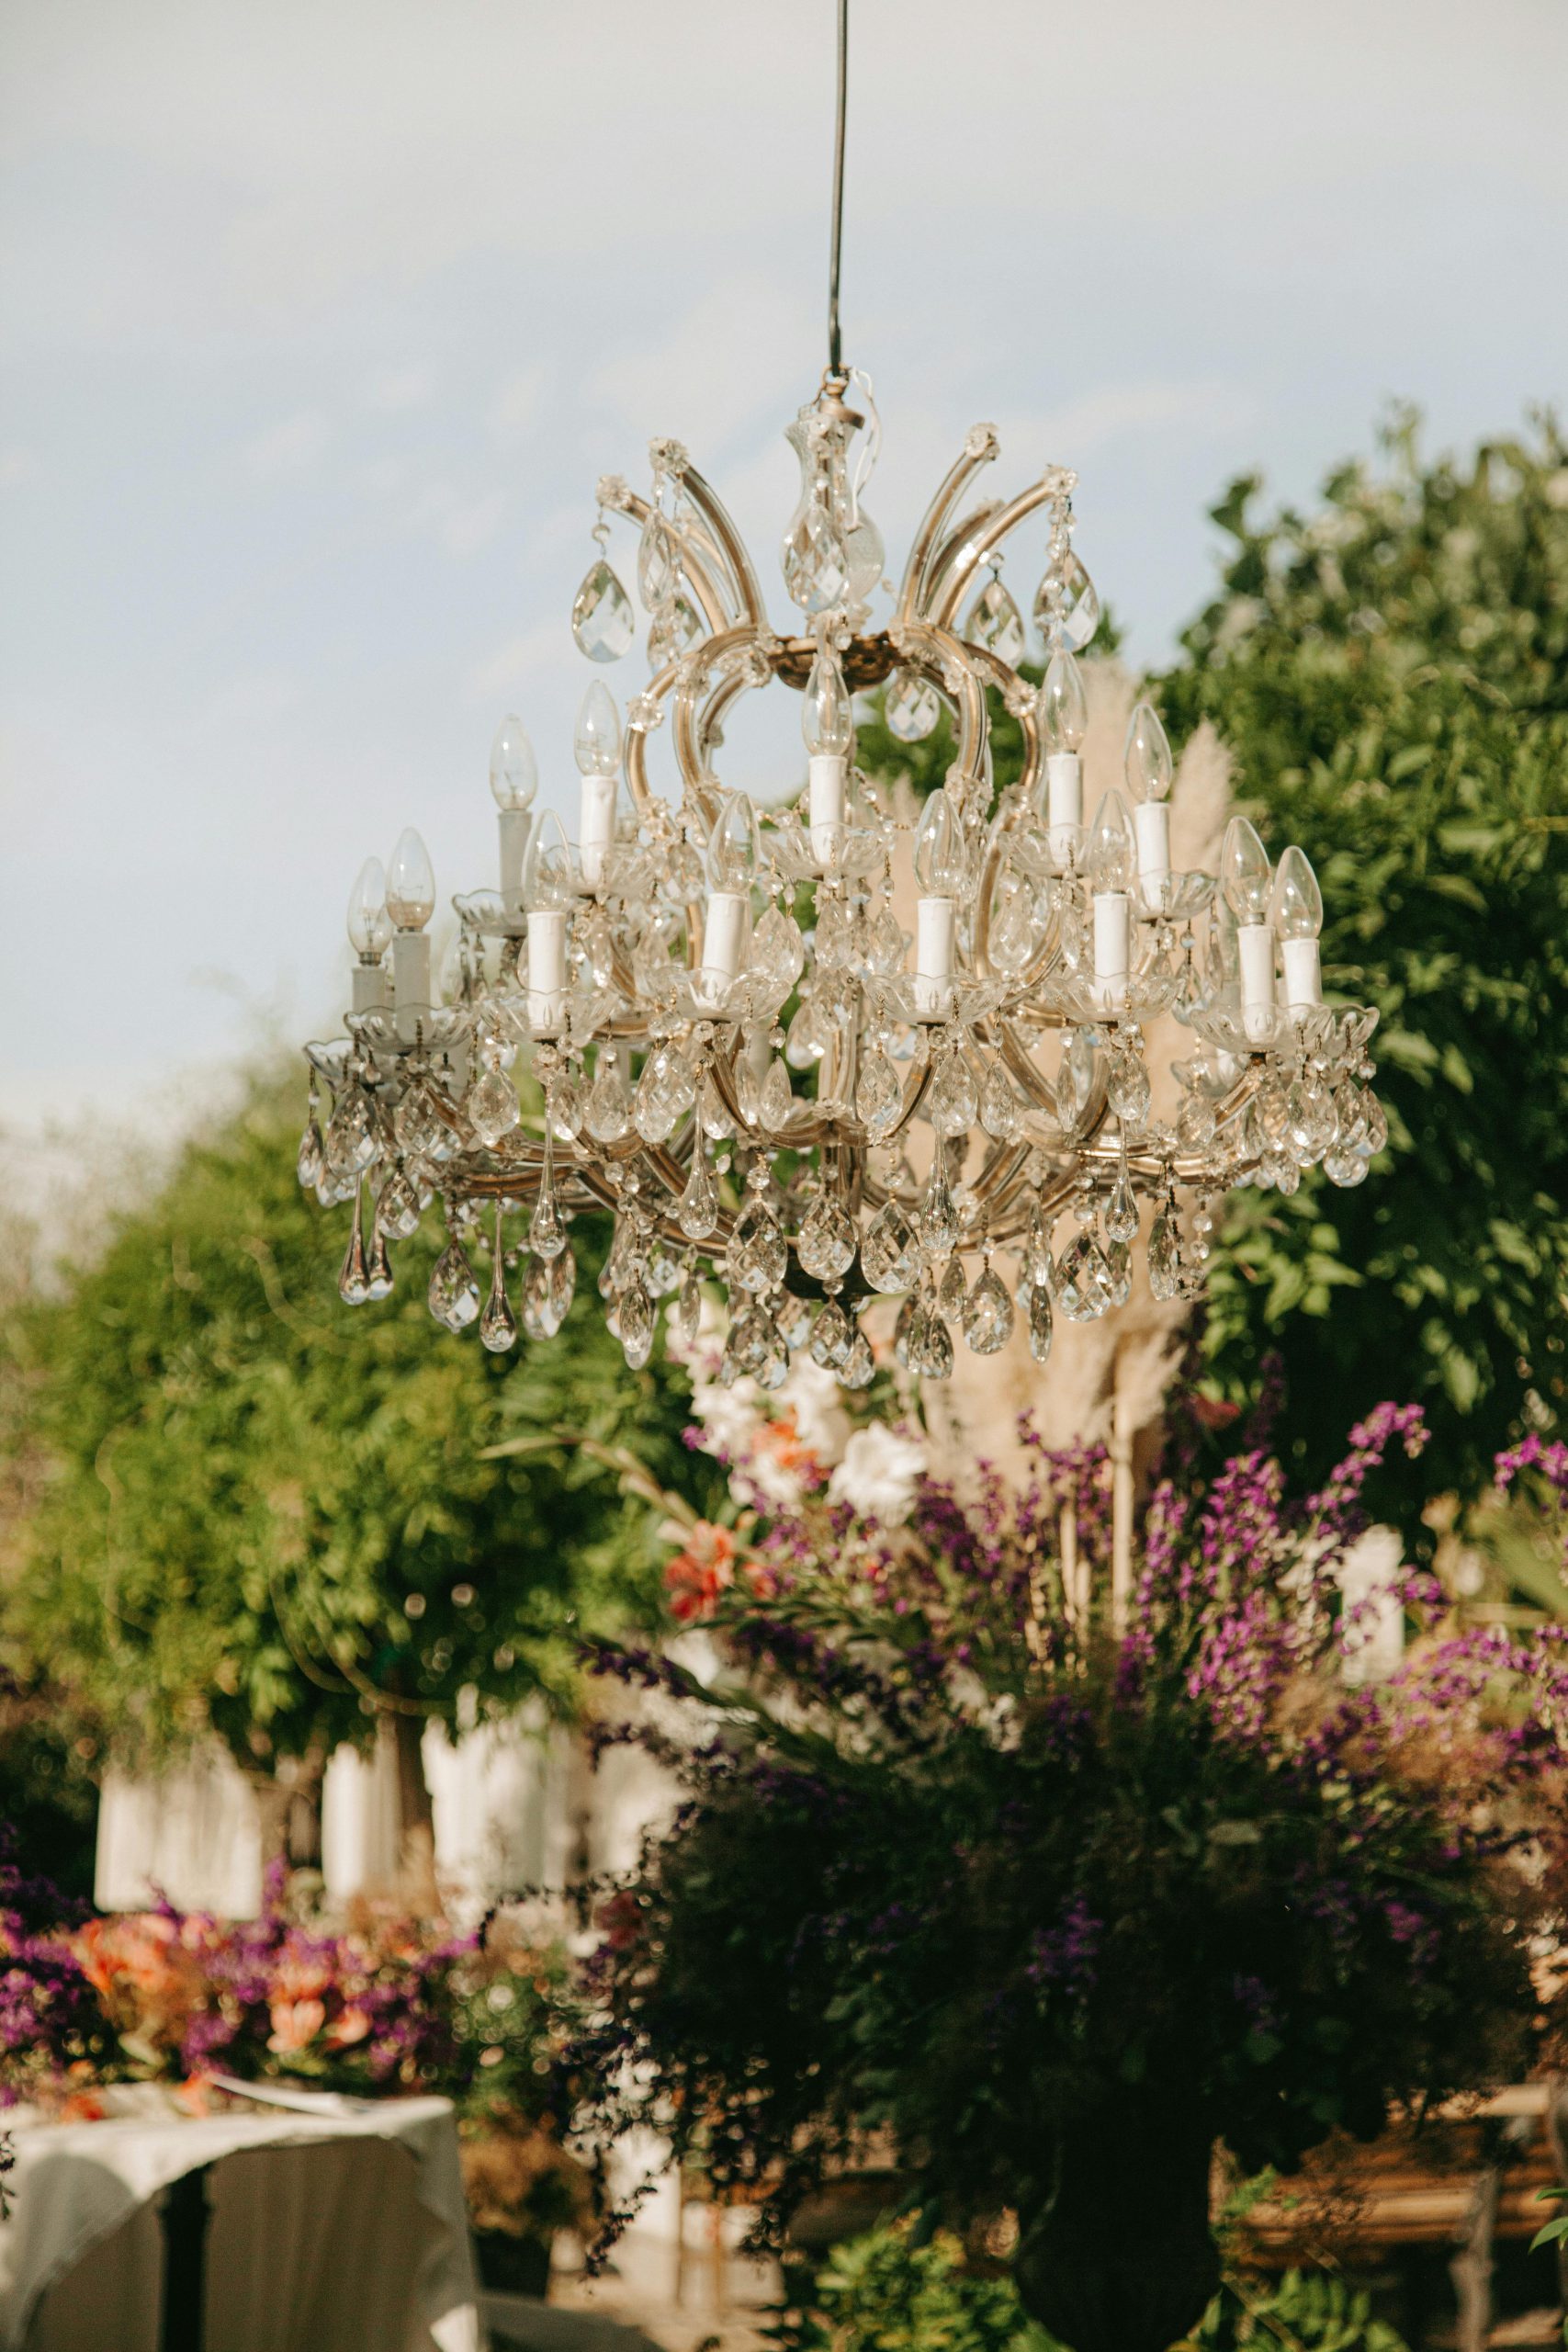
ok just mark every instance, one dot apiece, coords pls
pixel 716 610
pixel 950 584
pixel 731 546
pixel 979 449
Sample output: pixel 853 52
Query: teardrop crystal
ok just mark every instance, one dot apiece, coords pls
pixel 607 1113
pixel 698 1210
pixel 546 1235
pixel 995 623
pixel 758 1252
pixel 859 1367
pixel 953 1290
pixel 689 1307
pixel 832 1337
pixel 712 1117
pixel 603 622
pixel 879 1098
pixel 936 1220
pixel 778 953
pixel 397 1207
pixel 930 1348
pixel 352 1285
pixel 826 1243
pixel 634 1324
pixel 1083 1280
pixel 563 1287
pixel 1041 1323
pixel 350 1141
pixel 1001 1113
pixel 988 1314
pixel 491 1106
pixel 911 707
pixel 1067 605
pixel 657 562
pixel 777 1099
pixel 1122 1209
pixel 890 1254
pixel 1127 1089
pixel 311 1165
pixel 453 1293
pixel 1164 1259
pixel 949 1103
pixel 498 1325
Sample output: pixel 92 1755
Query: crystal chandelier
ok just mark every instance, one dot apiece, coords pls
pixel 737 1049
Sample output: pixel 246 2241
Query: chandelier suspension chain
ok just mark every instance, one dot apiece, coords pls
pixel 835 339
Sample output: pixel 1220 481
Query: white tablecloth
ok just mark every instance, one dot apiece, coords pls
pixel 342 2229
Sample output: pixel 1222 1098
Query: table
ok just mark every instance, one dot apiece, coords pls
pixel 335 2223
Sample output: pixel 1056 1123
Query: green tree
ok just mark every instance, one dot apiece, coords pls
pixel 1390 673
pixel 261 1511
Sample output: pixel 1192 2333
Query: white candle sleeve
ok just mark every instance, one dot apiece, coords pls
pixel 935 920
pixel 597 828
pixel 514 824
pixel 1303 974
pixel 411 981
pixel 724 935
pixel 1113 941
pixel 369 987
pixel 1255 943
pixel 547 970
pixel 1064 802
pixel 825 797
pixel 1150 822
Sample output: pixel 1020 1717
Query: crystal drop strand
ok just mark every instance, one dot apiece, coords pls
pixel 1122 1209
pixel 565 1106
pixel 951 1103
pixel 546 1235
pixel 616 1267
pixel 311 1165
pixel 987 1311
pixel 397 1207
pixel 1127 1088
pixel 758 1257
pixel 930 1351
pixel 454 1295
pixel 353 1282
pixel 634 1322
pixel 1041 1323
pixel 536 1300
pixel 1083 1278
pixel 498 1325
pixel 996 622
pixel 350 1139
pixel 689 1305
pixel 936 1221
pixel 905 1328
pixel 563 1287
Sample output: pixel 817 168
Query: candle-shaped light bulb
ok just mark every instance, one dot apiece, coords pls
pixel 513 775
pixel 1147 761
pixel 1147 764
pixel 940 862
pixel 411 883
pixel 597 743
pixel 1112 856
pixel 1063 704
pixel 735 845
pixel 1245 874
pixel 547 872
pixel 1298 917
pixel 369 924
pixel 827 715
pixel 1298 902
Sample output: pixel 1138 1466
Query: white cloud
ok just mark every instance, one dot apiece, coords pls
pixel 514 411
pixel 396 389
pixel 289 448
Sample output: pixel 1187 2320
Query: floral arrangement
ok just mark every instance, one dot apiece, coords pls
pixel 1049 1900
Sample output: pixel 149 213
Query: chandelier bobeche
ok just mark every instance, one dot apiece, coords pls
pixel 737 1049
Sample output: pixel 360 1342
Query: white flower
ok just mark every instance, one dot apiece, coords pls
pixel 878 1475
pixel 821 1421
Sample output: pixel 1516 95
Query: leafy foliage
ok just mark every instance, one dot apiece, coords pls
pixel 262 1510
pixel 1390 673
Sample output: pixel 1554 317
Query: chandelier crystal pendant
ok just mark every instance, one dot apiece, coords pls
pixel 739 1050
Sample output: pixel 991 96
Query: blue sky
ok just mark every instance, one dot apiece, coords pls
pixel 321 319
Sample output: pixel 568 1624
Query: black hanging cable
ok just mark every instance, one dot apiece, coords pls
pixel 835 342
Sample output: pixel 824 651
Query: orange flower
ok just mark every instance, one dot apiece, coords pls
pixel 294 2023
pixel 701 1571
pixel 350 2025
